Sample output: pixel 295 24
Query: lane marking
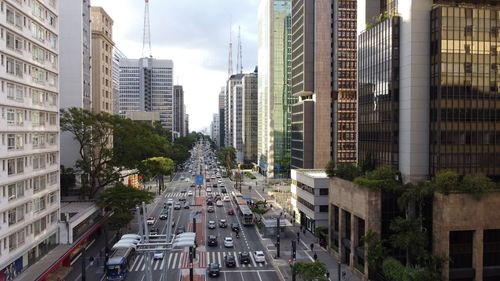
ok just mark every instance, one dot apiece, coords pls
pixel 258 274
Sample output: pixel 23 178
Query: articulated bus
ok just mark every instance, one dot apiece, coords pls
pixel 117 266
pixel 243 209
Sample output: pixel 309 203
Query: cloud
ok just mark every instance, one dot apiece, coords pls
pixel 195 35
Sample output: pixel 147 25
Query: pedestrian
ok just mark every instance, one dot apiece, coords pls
pixel 315 257
pixel 298 236
pixel 91 260
pixel 281 214
pixel 312 247
pixel 304 231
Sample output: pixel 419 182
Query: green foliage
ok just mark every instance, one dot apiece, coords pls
pixel 227 156
pixel 260 210
pixel 476 185
pixel 156 166
pixel 68 178
pixel 119 219
pixel 409 237
pixel 250 175
pixel 322 233
pixel 345 171
pixel 121 198
pixel 382 178
pixel 310 271
pixel 395 271
pixel 375 251
pixel 330 169
pixel 368 164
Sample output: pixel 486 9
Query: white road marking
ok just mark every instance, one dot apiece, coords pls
pixel 236 259
pixel 139 263
pixel 258 274
pixel 257 270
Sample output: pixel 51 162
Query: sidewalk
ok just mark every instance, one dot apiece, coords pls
pixel 303 251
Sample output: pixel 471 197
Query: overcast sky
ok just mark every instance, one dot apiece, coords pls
pixel 195 35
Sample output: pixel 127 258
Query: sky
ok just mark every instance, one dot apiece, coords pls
pixel 195 35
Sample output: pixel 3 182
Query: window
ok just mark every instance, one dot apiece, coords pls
pixel 20 165
pixel 323 191
pixel 12 216
pixel 52 198
pixel 53 119
pixel 11 192
pixel 40 226
pixel 11 166
pixel 11 141
pixel 39 161
pixel 39 184
pixel 53 217
pixel 20 237
pixel 10 91
pixel 52 158
pixel 9 67
pixel 53 178
pixel 323 208
pixel 39 204
pixel 12 242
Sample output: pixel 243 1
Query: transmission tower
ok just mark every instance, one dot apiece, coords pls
pixel 146 39
pixel 239 63
pixel 230 59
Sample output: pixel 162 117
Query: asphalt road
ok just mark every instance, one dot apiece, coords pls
pixel 175 263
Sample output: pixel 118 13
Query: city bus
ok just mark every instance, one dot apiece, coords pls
pixel 117 266
pixel 246 215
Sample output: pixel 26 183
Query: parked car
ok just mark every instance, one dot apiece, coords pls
pixel 158 255
pixel 259 256
pixel 187 205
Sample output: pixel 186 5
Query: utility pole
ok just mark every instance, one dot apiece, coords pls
pixel 147 255
pixel 191 263
pixel 338 269
pixel 84 269
pixel 278 238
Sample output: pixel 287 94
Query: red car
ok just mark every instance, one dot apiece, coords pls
pixel 230 211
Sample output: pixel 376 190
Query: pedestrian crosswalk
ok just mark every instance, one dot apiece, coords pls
pixel 218 257
pixel 179 194
pixel 180 260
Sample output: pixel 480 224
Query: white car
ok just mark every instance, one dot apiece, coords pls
pixel 170 201
pixel 211 224
pixel 131 236
pixel 124 245
pixel 190 193
pixel 226 198
pixel 219 181
pixel 259 256
pixel 187 180
pixel 129 240
pixel 151 220
pixel 208 190
pixel 219 203
pixel 228 242
pixel 158 254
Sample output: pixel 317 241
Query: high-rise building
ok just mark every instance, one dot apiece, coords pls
pixel 344 121
pixel 222 110
pixel 250 115
pixel 274 99
pixel 117 55
pixel 186 124
pixel 311 83
pixel 179 110
pixel 237 119
pixel 146 85
pixel 233 85
pixel 75 67
pixel 214 128
pixel 30 128
pixel 102 64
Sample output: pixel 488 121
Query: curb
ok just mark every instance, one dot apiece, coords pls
pixel 275 266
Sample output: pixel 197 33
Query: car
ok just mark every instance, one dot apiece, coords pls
pixel 213 270
pixel 187 205
pixel 219 203
pixel 212 241
pixel 230 211
pixel 164 216
pixel 228 242
pixel 192 185
pixel 214 185
pixel 259 256
pixel 187 180
pixel 223 190
pixel 183 191
pixel 230 261
pixel 208 190
pixel 123 245
pixel 219 180
pixel 131 236
pixel 226 198
pixel 129 240
pixel 222 223
pixel 170 201
pixel 153 231
pixel 210 203
pixel 182 178
pixel 180 230
pixel 211 224
pixel 244 258
pixel 177 206
pixel 210 209
pixel 217 197
pixel 182 199
pixel 151 220
pixel 235 227
pixel 190 193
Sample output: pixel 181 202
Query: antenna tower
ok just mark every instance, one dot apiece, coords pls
pixel 230 59
pixel 146 39
pixel 239 63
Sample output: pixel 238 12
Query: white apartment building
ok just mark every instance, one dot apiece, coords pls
pixel 29 132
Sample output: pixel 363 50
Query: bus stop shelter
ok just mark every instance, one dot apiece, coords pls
pixel 270 225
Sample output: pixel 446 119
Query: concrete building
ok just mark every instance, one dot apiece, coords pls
pixel 222 114
pixel 310 198
pixel 311 83
pixel 144 116
pixel 249 119
pixel 274 95
pixel 29 125
pixel 344 121
pixel 233 86
pixel 146 85
pixel 102 64
pixel 237 121
pixel 186 124
pixel 214 128
pixel 75 67
pixel 179 110
pixel 117 55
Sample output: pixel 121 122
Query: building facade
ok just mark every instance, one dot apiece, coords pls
pixel 237 120
pixel 311 80
pixel 222 110
pixel 232 86
pixel 250 115
pixel 344 121
pixel 274 95
pixel 102 64
pixel 117 55
pixel 29 127
pixel 75 67
pixel 179 110
pixel 186 124
pixel 146 85
pixel 214 128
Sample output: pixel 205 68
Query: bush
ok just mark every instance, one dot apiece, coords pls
pixel 250 175
pixel 476 185
pixel 382 178
pixel 346 171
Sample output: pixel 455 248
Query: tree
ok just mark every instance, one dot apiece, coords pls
pixel 446 181
pixel 120 199
pixel 409 237
pixel 477 185
pixel 382 178
pixel 330 169
pixel 93 133
pixel 310 271
pixel 157 167
pixel 227 155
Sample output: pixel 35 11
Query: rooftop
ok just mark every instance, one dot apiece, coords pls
pixel 76 209
pixel 313 173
